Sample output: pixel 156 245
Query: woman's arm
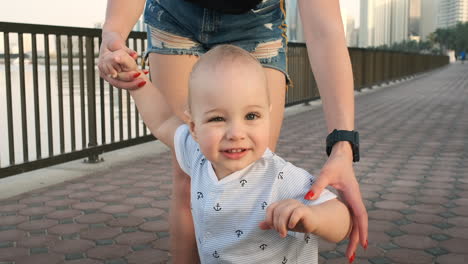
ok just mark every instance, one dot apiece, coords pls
pixel 331 65
pixel 121 16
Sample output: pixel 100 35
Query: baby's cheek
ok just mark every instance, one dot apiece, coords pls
pixel 208 147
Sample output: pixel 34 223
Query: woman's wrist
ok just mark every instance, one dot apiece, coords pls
pixel 111 32
pixel 342 148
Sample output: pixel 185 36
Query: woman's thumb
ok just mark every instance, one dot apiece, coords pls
pixel 317 188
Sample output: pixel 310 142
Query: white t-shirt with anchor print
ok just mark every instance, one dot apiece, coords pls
pixel 227 212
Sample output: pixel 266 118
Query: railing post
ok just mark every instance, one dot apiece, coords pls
pixel 91 96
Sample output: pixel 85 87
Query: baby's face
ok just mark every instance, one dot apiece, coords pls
pixel 230 115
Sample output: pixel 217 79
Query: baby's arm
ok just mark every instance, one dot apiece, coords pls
pixel 156 113
pixel 330 220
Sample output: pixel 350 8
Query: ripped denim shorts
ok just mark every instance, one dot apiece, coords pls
pixel 181 27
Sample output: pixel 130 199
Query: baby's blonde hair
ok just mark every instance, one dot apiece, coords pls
pixel 222 56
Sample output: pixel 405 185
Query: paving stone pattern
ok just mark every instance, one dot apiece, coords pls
pixel 413 177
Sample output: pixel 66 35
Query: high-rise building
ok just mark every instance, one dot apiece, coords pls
pixel 366 23
pixel 295 29
pixel 428 19
pixel 383 22
pixel 414 27
pixel 451 12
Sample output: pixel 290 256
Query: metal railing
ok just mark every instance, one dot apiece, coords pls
pixel 63 110
pixel 54 107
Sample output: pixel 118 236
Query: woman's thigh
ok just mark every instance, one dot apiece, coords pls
pixel 170 73
pixel 277 89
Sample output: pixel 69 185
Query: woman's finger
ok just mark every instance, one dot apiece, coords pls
pixel 128 76
pixel 318 186
pixel 353 198
pixel 352 245
pixel 135 84
pixel 131 52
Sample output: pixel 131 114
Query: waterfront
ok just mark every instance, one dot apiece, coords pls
pixel 42 95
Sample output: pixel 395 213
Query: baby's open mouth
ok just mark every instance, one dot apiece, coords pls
pixel 235 150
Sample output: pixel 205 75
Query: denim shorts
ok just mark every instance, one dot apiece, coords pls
pixel 181 27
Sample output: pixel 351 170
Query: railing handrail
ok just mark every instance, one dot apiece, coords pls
pixel 57 30
pixel 370 67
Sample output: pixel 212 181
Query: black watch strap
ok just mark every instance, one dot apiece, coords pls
pixel 344 135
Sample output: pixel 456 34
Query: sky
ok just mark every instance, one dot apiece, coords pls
pixel 79 13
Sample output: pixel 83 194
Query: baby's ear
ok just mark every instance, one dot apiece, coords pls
pixel 190 123
pixel 187 115
pixel 192 130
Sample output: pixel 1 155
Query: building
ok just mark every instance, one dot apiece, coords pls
pixel 450 12
pixel 428 19
pixel 295 30
pixel 383 22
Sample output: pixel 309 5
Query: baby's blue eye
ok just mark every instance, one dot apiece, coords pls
pixel 251 116
pixel 216 119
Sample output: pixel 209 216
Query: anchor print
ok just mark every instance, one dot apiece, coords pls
pixel 243 182
pixel 307 238
pixel 202 161
pixel 217 207
pixel 311 181
pixel 239 233
pixel 263 246
pixel 285 260
pixel 264 204
pixel 215 254
pixel 280 175
pixel 199 195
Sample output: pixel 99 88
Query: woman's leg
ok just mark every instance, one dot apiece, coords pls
pixel 277 90
pixel 170 74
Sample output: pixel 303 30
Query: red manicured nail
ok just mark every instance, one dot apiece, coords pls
pixel 141 84
pixel 136 74
pixel 145 71
pixel 309 195
pixel 366 244
pixel 351 259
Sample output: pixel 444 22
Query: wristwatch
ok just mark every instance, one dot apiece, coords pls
pixel 344 135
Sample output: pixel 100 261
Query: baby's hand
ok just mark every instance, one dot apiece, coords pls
pixel 119 64
pixel 290 215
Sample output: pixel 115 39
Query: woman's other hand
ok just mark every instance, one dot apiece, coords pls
pixel 338 172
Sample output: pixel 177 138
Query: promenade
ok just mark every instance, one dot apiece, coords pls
pixel 413 176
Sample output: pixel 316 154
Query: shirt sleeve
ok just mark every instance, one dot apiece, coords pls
pixel 185 148
pixel 295 182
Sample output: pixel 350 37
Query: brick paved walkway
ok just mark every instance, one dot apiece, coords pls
pixel 413 175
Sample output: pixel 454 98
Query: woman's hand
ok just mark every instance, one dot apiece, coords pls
pixel 117 62
pixel 338 172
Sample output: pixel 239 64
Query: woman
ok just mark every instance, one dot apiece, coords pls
pixel 179 30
